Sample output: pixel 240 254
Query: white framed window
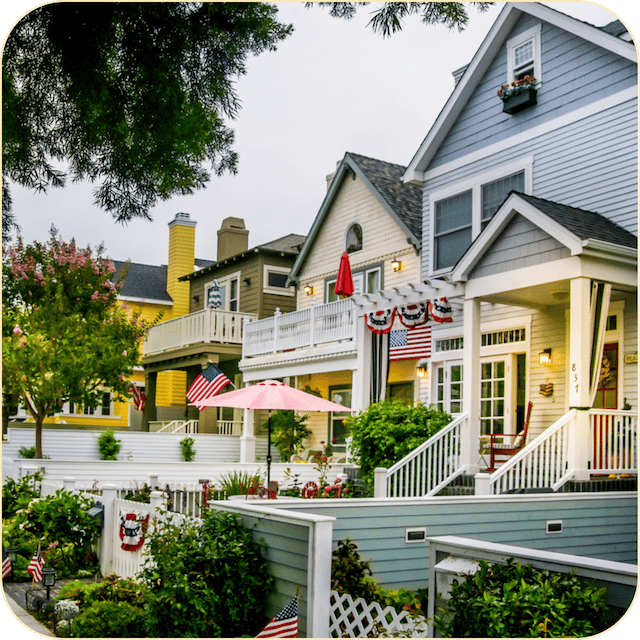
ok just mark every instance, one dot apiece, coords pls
pixel 523 55
pixel 460 213
pixel 353 238
pixel 275 280
pixel 368 280
pixel 228 290
pixel 104 408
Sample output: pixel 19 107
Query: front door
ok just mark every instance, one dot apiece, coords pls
pixel 494 393
pixel 607 393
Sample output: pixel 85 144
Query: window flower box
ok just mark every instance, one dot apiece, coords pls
pixel 518 95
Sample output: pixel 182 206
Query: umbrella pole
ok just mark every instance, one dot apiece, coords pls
pixel 269 450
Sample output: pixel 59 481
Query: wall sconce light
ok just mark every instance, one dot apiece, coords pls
pixel 308 290
pixel 422 370
pixel 247 282
pixel 396 265
pixel 545 357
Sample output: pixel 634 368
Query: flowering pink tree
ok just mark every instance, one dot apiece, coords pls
pixel 64 336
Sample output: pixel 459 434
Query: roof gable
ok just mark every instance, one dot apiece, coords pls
pixel 403 202
pixel 142 281
pixel 607 38
pixel 576 229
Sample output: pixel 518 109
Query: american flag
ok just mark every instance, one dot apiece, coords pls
pixel 139 397
pixel 410 344
pixel 207 384
pixel 284 625
pixel 35 566
pixel 6 564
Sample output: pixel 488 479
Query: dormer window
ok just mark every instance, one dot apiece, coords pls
pixel 523 55
pixel 354 238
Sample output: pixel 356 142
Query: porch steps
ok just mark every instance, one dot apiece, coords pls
pixel 600 483
pixel 462 485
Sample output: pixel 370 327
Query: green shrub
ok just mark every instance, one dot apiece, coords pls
pixel 238 483
pixel 289 433
pixel 107 619
pixel 108 445
pixel 205 580
pixel 29 452
pixel 350 574
pixel 188 452
pixel 17 494
pixel 513 600
pixel 62 526
pixel 387 431
pixel 112 588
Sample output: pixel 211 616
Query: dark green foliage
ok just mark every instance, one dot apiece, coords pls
pixel 289 432
pixel 62 526
pixel 109 619
pixel 514 600
pixel 109 445
pixel 17 494
pixel 136 95
pixel 349 573
pixel 238 483
pixel 205 581
pixel 112 588
pixel 188 452
pixel 387 431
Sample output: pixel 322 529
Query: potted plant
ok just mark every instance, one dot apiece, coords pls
pixel 518 95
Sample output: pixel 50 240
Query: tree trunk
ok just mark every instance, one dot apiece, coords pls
pixel 39 420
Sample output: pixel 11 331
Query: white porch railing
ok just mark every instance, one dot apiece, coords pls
pixel 174 426
pixel 614 441
pixel 543 463
pixel 431 466
pixel 229 427
pixel 208 325
pixel 331 322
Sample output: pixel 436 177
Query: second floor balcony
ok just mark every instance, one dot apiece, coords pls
pixel 208 325
pixel 316 325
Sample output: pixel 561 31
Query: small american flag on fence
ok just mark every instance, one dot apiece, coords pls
pixel 6 564
pixel 284 625
pixel 207 384
pixel 410 344
pixel 35 566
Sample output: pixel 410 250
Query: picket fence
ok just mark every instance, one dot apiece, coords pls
pixel 356 618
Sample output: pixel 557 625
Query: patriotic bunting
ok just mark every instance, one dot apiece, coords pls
pixel 133 528
pixel 440 310
pixel 284 625
pixel 380 321
pixel 413 315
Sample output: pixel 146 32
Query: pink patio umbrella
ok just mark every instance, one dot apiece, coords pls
pixel 344 281
pixel 271 394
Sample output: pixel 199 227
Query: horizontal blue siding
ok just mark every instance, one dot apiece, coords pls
pixel 593 526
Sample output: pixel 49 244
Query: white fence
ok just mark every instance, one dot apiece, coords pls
pixel 356 618
pixel 331 322
pixel 208 325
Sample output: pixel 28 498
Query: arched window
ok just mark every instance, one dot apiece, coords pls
pixel 354 238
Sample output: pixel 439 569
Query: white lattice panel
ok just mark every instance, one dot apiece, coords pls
pixel 351 618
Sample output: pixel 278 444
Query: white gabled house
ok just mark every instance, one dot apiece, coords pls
pixel 376 218
pixel 530 231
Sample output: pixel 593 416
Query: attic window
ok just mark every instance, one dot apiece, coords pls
pixel 354 238
pixel 523 55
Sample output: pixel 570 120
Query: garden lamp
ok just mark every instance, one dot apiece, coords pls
pixel 48 578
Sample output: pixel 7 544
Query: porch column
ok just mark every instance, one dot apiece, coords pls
pixel 579 375
pixel 248 439
pixel 471 385
pixel 149 413
pixel 361 378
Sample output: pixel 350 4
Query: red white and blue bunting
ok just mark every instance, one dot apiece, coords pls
pixel 440 310
pixel 380 321
pixel 410 315
pixel 413 315
pixel 133 529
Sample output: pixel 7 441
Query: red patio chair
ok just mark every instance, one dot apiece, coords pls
pixel 507 450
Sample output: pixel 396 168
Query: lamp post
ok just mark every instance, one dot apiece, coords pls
pixel 48 579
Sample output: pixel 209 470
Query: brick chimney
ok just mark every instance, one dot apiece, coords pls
pixel 182 240
pixel 233 238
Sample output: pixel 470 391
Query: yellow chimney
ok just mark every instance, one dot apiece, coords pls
pixel 182 240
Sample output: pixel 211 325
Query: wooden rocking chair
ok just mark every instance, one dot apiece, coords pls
pixel 501 448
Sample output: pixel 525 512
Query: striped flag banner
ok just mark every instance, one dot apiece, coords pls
pixel 410 344
pixel 6 564
pixel 284 625
pixel 35 566
pixel 207 384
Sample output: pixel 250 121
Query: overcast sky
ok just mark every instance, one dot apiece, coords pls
pixel 333 86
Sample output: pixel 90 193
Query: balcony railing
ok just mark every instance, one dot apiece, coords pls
pixel 208 325
pixel 331 322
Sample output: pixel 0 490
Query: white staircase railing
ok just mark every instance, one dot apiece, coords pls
pixel 614 441
pixel 543 463
pixel 175 426
pixel 430 467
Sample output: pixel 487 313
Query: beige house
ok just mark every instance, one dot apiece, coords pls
pixel 370 214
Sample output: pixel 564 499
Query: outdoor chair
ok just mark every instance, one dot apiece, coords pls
pixel 496 446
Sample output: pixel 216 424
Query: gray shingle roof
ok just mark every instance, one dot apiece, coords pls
pixel 405 199
pixel 143 281
pixel 584 224
pixel 287 244
pixel 615 28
